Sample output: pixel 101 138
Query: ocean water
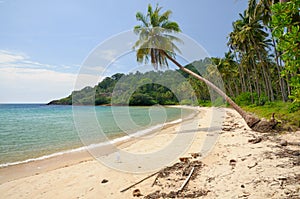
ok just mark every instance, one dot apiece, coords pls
pixel 30 132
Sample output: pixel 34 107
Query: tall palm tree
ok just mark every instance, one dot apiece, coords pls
pixel 156 43
pixel 250 38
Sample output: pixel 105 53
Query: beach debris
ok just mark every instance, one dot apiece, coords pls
pixel 283 143
pixel 293 155
pixel 186 180
pixel 293 143
pixel 244 195
pixel 251 166
pixel 226 128
pixel 282 178
pixel 195 155
pixel 210 179
pixel 154 182
pixel 178 175
pixel 136 193
pixel 232 163
pixel 172 194
pixel 104 181
pixel 186 171
pixel 255 140
pixel 184 159
pixel 153 195
pixel 195 194
pixel 142 180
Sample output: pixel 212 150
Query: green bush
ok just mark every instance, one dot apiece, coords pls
pixel 293 107
pixel 140 99
pixel 186 102
pixel 102 100
pixel 204 103
pixel 244 99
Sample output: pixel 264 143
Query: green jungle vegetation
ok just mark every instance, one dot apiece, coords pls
pixel 169 87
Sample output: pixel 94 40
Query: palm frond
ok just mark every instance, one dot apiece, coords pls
pixel 170 25
pixel 165 16
pixel 150 11
pixel 140 17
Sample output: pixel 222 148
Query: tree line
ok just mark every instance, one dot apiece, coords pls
pixel 264 49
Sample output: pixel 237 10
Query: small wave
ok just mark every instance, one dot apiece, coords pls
pixel 43 157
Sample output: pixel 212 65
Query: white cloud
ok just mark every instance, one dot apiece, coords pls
pixel 24 80
pixel 8 57
pixel 39 85
pixel 37 64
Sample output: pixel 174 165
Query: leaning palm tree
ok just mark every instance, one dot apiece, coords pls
pixel 156 42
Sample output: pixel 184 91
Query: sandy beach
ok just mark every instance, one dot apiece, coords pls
pixel 233 162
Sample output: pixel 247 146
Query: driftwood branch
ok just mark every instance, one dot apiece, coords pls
pixel 251 166
pixel 142 180
pixel 186 180
pixel 154 181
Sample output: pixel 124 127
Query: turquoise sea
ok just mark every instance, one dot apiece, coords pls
pixel 29 132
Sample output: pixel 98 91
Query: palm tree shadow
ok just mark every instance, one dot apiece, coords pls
pixel 200 130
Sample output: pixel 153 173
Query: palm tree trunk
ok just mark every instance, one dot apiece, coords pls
pixel 237 89
pixel 281 80
pixel 268 72
pixel 250 85
pixel 230 89
pixel 252 121
pixel 243 78
pixel 266 75
pixel 241 72
pixel 256 79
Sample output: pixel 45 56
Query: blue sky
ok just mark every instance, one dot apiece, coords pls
pixel 44 43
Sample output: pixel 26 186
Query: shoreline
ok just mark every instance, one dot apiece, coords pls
pixel 33 166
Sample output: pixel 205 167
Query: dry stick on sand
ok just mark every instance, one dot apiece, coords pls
pixel 140 181
pixel 186 180
pixel 154 181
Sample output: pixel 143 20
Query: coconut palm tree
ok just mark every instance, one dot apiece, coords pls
pixel 251 40
pixel 156 43
pixel 227 68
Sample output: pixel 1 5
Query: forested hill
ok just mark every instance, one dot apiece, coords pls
pixel 154 87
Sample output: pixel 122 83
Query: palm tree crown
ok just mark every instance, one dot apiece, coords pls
pixel 156 37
